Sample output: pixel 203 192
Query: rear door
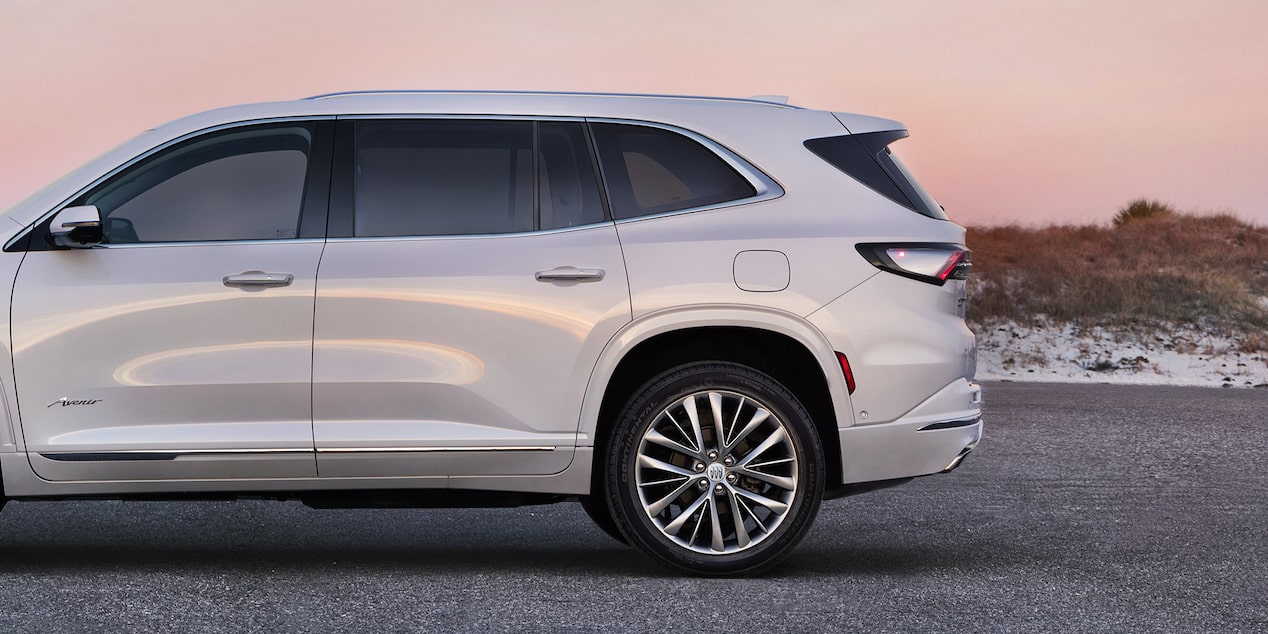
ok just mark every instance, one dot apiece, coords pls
pixel 181 346
pixel 459 316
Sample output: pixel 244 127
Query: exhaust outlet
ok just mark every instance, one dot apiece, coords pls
pixel 955 462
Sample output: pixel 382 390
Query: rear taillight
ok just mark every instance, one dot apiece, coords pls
pixel 933 263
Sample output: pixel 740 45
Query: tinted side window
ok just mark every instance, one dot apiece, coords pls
pixel 868 159
pixel 651 170
pixel 238 185
pixel 415 178
pixel 567 187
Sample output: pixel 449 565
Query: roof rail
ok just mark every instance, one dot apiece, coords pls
pixel 779 99
pixel 766 100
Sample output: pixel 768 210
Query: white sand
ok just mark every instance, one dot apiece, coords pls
pixel 1066 354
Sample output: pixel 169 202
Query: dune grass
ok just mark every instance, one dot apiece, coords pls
pixel 1152 269
pixel 1140 209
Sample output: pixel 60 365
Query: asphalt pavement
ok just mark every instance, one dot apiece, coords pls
pixel 1085 508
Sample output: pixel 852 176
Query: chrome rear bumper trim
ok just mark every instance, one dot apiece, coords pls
pixel 951 424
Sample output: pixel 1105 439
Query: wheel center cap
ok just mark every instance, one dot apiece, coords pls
pixel 716 472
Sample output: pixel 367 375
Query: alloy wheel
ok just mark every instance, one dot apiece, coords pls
pixel 716 472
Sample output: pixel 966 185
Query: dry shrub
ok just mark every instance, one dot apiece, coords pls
pixel 1142 208
pixel 1252 342
pixel 1169 268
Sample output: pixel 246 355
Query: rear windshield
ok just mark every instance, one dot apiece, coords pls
pixel 868 159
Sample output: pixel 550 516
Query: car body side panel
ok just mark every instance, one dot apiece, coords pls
pixel 741 316
pixel 411 328
pixel 21 481
pixel 688 257
pixel 906 340
pixel 453 343
pixel 10 430
pixel 144 348
pixel 900 449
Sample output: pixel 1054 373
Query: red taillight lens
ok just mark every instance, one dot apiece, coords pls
pixel 957 267
pixel 845 369
pixel 934 263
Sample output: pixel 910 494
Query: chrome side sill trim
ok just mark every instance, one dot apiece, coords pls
pixel 426 449
pixel 147 454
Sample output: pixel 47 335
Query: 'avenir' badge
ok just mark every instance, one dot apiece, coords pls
pixel 64 401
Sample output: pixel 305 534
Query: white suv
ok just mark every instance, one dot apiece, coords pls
pixel 702 316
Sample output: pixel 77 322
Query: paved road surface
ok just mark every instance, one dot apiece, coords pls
pixel 1085 509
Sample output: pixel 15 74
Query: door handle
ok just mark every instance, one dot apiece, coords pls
pixel 259 279
pixel 570 274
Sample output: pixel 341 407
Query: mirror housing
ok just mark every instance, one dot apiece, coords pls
pixel 76 227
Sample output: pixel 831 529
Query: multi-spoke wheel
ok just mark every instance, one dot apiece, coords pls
pixel 715 469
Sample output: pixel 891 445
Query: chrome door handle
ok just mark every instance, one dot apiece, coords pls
pixel 570 274
pixel 258 279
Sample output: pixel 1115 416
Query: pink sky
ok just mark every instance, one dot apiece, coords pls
pixel 1020 111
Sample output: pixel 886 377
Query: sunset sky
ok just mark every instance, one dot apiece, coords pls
pixel 1020 111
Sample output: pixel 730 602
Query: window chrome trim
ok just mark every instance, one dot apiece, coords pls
pixel 766 188
pixel 154 150
pixel 203 243
pixel 473 236
pixel 691 210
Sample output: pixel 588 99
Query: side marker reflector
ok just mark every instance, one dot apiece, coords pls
pixel 845 369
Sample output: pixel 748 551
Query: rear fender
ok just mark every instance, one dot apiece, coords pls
pixel 685 318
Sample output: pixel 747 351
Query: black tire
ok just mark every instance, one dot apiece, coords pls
pixel 596 506
pixel 662 476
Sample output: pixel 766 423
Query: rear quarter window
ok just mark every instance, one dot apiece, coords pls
pixel 868 159
pixel 651 170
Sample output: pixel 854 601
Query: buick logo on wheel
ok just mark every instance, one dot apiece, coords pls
pixel 716 472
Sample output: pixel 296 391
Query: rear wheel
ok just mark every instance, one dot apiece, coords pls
pixel 715 469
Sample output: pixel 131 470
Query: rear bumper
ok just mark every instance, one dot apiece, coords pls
pixel 906 449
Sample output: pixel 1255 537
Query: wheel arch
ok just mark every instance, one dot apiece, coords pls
pixel 779 344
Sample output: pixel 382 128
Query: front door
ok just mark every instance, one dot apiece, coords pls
pixel 181 347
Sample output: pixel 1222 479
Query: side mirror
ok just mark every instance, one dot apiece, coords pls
pixel 76 227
